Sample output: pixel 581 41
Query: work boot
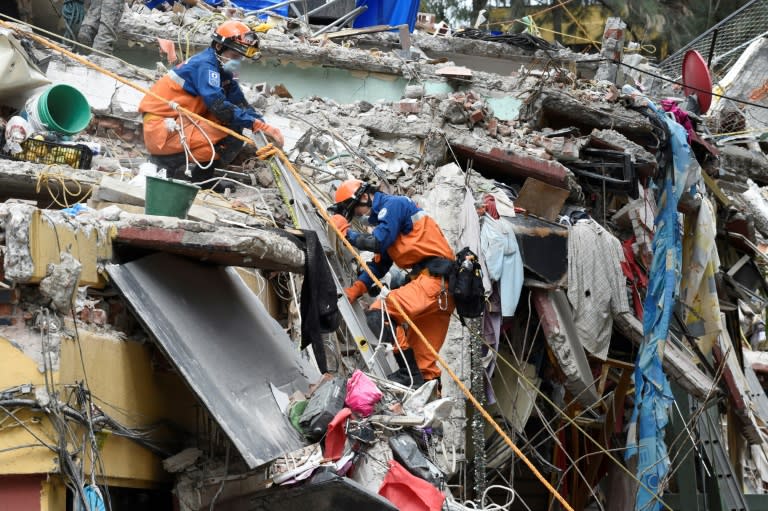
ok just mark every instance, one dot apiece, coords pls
pixel 406 360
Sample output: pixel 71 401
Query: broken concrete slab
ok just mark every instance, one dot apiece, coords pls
pixel 560 332
pixel 37 238
pixel 268 249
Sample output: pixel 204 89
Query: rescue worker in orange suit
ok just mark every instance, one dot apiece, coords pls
pixel 405 235
pixel 205 84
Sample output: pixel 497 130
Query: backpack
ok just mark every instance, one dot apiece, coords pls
pixel 466 284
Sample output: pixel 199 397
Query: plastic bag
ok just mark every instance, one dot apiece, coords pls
pixel 17 131
pixel 362 394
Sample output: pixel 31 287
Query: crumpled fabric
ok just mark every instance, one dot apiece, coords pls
pixel 503 261
pixel 681 116
pixel 408 492
pixel 698 290
pixel 653 395
pixel 362 394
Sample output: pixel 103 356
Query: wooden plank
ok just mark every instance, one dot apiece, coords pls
pixel 541 199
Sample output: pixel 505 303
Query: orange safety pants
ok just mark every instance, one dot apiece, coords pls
pixel 426 301
pixel 161 142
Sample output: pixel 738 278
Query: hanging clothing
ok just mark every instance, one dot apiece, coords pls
pixel 597 287
pixel 319 303
pixel 503 260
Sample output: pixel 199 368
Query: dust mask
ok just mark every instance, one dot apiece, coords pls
pixel 231 66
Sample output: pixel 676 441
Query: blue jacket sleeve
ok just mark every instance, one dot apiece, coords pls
pixel 379 269
pixel 207 80
pixel 392 218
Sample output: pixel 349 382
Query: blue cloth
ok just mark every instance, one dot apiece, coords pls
pixel 503 261
pixel 93 498
pixel 202 76
pixel 653 396
pixel 255 5
pixel 75 210
pixel 387 12
pixel 390 216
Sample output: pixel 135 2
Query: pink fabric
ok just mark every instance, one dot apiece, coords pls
pixel 408 492
pixel 362 394
pixel 490 206
pixel 681 116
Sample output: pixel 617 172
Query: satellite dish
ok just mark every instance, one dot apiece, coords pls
pixel 697 80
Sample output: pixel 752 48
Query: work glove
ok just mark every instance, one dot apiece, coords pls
pixel 341 223
pixel 270 131
pixel 355 291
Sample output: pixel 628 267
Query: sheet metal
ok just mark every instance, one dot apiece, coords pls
pixel 225 345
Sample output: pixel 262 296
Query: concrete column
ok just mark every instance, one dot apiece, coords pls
pixel 612 50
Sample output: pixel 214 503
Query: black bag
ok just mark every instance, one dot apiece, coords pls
pixel 326 401
pixel 466 285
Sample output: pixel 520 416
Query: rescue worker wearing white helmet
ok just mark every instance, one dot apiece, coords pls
pixel 206 85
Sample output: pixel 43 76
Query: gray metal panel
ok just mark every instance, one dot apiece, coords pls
pixel 225 344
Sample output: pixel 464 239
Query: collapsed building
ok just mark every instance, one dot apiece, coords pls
pixel 159 361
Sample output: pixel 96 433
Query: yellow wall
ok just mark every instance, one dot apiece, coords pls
pixel 17 369
pixel 123 382
pixel 53 495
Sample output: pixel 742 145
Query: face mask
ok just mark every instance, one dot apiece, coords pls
pixel 231 66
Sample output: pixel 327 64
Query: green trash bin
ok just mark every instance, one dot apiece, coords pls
pixel 169 197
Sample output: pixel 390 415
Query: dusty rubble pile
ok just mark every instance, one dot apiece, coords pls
pixel 619 238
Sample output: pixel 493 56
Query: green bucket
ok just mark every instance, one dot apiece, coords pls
pixel 61 108
pixel 168 197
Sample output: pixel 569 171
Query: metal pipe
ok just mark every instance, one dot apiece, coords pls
pixel 351 15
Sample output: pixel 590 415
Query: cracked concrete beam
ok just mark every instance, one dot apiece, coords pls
pixel 266 249
pixel 556 109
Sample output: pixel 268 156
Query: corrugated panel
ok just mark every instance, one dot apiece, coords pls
pixel 224 343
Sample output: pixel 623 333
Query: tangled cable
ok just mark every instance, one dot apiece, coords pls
pixel 522 40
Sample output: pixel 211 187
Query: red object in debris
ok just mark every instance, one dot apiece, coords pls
pixel 696 79
pixel 408 492
pixel 335 438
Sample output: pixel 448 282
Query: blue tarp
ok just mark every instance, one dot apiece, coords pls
pixel 653 396
pixel 387 12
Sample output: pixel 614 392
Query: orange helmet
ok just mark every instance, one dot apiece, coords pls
pixel 237 36
pixel 349 189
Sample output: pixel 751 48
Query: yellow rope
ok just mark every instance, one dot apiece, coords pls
pixel 45 177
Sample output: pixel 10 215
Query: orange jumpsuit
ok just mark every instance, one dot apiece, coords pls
pixel 407 236
pixel 200 86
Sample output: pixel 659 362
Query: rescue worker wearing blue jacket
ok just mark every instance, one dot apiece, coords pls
pixel 407 236
pixel 206 85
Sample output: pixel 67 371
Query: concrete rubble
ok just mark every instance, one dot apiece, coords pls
pixel 519 127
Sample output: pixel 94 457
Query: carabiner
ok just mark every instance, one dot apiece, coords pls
pixel 442 298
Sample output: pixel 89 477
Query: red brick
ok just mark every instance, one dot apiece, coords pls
pixel 476 116
pixel 407 106
pixel 492 127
